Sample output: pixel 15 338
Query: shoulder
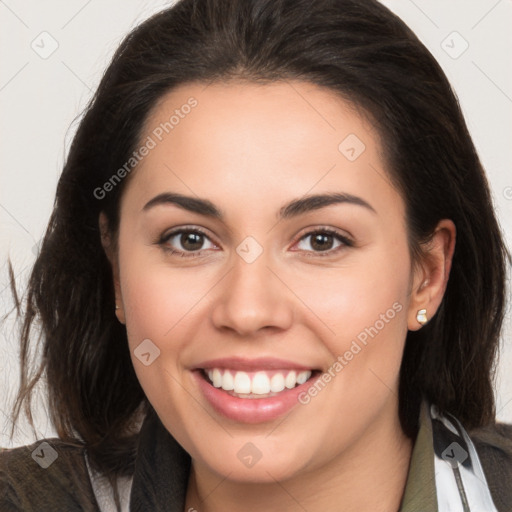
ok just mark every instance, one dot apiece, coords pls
pixel 494 446
pixel 49 474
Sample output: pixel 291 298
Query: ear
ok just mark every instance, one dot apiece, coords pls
pixel 111 253
pixel 430 275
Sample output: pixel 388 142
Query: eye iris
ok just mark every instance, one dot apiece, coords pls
pixel 195 239
pixel 321 241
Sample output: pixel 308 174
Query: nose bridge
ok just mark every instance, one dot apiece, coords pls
pixel 252 297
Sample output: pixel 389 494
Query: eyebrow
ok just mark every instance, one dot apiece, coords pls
pixel 291 209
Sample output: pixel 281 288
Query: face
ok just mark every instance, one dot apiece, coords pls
pixel 266 327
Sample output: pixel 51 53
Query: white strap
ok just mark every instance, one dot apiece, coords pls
pixel 461 485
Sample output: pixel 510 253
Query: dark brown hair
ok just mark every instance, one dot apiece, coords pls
pixel 355 48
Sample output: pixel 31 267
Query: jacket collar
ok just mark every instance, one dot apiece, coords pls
pixel 420 489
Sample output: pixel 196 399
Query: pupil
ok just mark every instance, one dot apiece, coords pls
pixel 192 238
pixel 322 241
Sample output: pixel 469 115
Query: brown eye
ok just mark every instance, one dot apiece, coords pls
pixel 185 241
pixel 325 241
pixel 191 241
pixel 322 241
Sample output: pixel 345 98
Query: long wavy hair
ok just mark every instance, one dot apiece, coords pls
pixel 357 49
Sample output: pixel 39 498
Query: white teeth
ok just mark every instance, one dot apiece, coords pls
pixel 258 383
pixel 290 380
pixel 227 382
pixel 216 378
pixel 242 383
pixel 303 377
pixel 277 383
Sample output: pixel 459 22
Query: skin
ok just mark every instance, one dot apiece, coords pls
pixel 249 149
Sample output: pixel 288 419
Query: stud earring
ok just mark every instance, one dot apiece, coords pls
pixel 117 307
pixel 421 316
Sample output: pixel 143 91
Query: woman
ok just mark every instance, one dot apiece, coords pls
pixel 326 340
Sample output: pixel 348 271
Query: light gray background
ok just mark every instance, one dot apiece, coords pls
pixel 41 96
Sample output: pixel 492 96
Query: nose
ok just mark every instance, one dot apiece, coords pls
pixel 252 298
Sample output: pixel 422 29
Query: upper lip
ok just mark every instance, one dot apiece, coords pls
pixel 243 364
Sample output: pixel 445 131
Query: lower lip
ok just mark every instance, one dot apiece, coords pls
pixel 250 410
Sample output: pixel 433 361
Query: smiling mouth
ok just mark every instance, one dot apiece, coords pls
pixel 256 384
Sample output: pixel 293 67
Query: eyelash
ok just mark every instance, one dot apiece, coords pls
pixel 346 242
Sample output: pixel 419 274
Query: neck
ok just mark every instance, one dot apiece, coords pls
pixel 371 475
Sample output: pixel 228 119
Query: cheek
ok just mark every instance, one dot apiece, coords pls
pixel 364 305
pixel 155 298
pixel 369 294
pixel 158 304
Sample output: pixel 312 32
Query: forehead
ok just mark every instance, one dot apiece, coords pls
pixel 234 114
pixel 247 141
